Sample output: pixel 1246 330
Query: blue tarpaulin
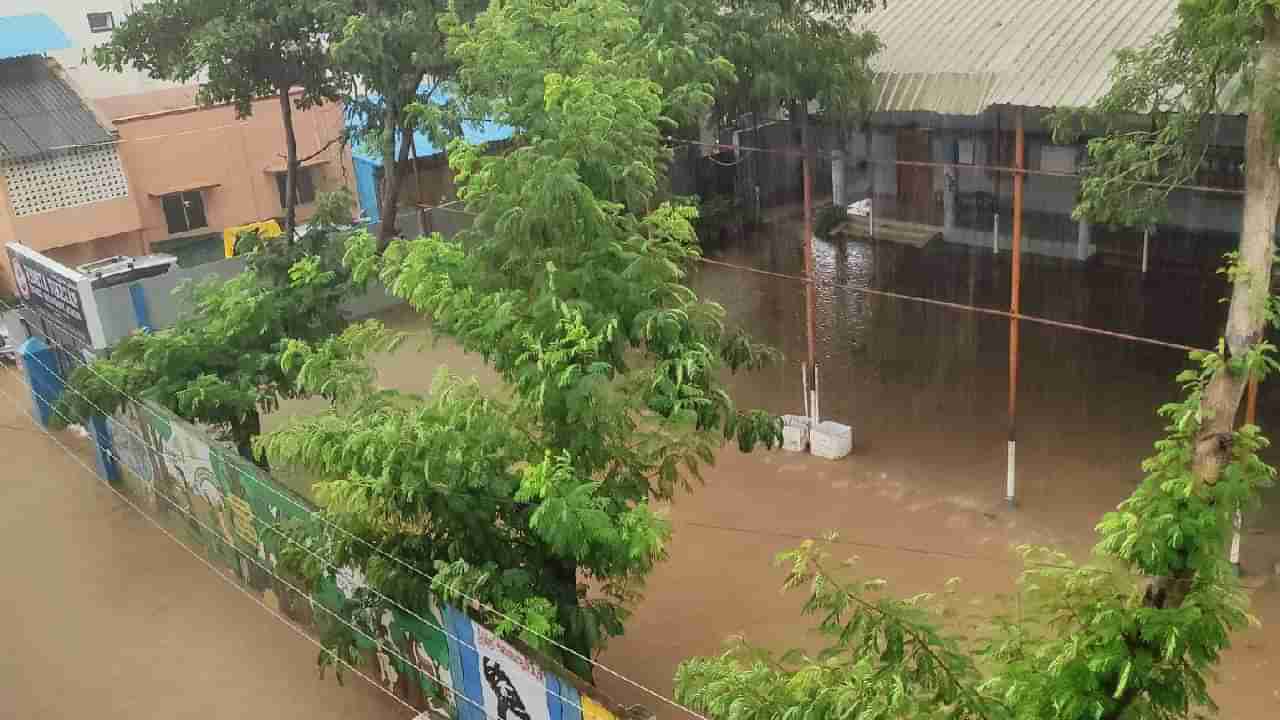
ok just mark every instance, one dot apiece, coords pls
pixel 368 160
pixel 34 34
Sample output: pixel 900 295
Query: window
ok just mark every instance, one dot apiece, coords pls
pixel 964 151
pixel 1058 158
pixel 306 188
pixel 184 211
pixel 1223 167
pixel 100 22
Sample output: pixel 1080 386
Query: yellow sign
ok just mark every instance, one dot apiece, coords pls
pixel 242 514
pixel 267 229
pixel 592 710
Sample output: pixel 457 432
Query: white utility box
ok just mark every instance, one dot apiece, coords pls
pixel 830 440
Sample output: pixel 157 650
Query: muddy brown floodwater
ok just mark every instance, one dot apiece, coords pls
pixel 104 617
pixel 921 499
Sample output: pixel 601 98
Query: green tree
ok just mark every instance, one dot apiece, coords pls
pixel 396 51
pixel 239 51
pixel 1137 632
pixel 793 53
pixel 572 285
pixel 220 364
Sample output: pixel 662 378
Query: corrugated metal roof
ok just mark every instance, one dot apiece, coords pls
pixel 39 111
pixel 30 34
pixel 963 56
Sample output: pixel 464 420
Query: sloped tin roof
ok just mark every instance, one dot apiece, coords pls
pixel 40 112
pixel 963 56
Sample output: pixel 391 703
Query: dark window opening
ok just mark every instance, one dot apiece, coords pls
pixel 184 211
pixel 305 186
pixel 100 22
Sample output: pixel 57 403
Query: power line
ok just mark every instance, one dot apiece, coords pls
pixel 792 151
pixel 510 501
pixel 785 151
pixel 956 306
pixel 943 303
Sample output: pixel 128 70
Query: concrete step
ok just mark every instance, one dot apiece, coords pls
pixel 898 231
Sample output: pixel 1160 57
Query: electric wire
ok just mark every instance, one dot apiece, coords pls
pixel 697 524
pixel 785 151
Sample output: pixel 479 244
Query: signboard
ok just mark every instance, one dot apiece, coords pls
pixel 59 297
pixel 514 687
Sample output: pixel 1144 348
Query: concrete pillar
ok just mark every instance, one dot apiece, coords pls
pixel 950 182
pixel 837 179
pixel 1082 240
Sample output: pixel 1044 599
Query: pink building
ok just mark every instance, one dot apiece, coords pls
pixel 82 179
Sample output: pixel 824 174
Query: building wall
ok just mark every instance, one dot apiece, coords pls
pixel 1196 224
pixel 72 17
pixel 230 161
pixel 74 208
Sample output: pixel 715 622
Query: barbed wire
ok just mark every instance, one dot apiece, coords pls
pixel 329 564
pixel 449 589
pixel 312 512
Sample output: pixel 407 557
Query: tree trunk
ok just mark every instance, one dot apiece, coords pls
pixel 291 166
pixel 1246 316
pixel 565 573
pixel 392 164
pixel 243 434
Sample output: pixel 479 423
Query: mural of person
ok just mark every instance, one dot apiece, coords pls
pixel 390 676
pixel 509 700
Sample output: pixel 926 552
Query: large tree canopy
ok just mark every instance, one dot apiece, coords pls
pixel 221 365
pixel 572 285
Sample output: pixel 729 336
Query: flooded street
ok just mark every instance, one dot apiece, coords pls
pixel 104 617
pixel 922 498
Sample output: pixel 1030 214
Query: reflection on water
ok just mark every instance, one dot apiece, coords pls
pixel 931 383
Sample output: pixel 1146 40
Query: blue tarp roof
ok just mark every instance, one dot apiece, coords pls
pixel 477 133
pixel 33 34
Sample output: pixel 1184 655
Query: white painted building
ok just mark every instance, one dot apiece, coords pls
pixel 88 24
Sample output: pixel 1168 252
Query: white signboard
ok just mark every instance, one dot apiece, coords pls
pixel 60 296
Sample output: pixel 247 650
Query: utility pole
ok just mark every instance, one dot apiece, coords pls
pixel 810 304
pixel 1015 307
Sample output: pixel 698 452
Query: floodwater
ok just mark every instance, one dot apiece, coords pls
pixel 104 617
pixel 926 390
pixel 922 498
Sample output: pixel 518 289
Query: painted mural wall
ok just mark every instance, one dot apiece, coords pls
pixel 437 658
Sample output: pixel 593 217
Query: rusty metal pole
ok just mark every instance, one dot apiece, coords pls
pixel 810 298
pixel 1015 306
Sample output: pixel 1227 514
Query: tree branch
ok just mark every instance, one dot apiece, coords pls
pixel 324 147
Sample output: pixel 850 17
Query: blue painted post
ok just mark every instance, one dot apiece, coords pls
pixel 138 296
pixel 39 365
pixel 103 456
pixel 466 665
